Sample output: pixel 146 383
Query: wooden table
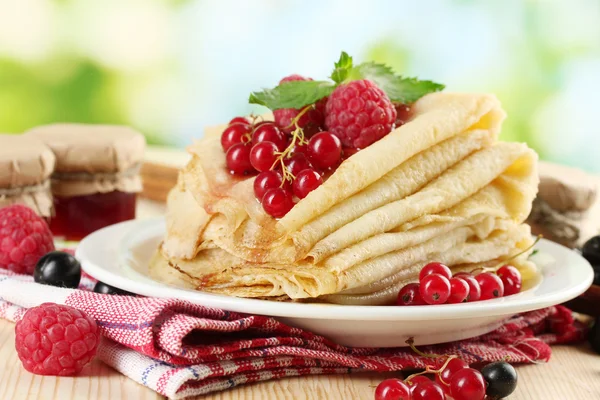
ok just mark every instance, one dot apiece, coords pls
pixel 572 374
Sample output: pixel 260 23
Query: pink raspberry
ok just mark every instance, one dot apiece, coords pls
pixel 359 113
pixel 54 339
pixel 311 122
pixel 24 239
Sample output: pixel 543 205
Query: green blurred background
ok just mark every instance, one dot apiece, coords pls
pixel 169 68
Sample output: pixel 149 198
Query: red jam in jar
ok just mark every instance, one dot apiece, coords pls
pixel 96 176
pixel 78 216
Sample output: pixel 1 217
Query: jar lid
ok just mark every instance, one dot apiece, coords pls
pixel 92 148
pixel 24 161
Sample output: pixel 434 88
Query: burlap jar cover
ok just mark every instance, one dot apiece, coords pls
pixel 93 158
pixel 25 167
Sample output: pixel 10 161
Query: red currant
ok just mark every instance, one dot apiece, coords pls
pixel 306 181
pixel 277 202
pixel 348 152
pixel 467 384
pixel 418 380
pixel 263 156
pixel 392 389
pixel 428 391
pixel 491 286
pixel 324 150
pixel 403 114
pixel 270 133
pixel 409 295
pixel 511 278
pixel 268 180
pixel 445 377
pixel 435 268
pixel 233 134
pixel 239 120
pixel 459 291
pixel 300 149
pixel 474 288
pixel 297 163
pixel 238 159
pixel 435 289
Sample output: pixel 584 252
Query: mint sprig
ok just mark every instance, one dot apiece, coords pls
pixel 294 94
pixel 298 94
pixel 342 68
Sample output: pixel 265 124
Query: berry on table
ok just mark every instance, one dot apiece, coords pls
pixel 58 268
pixel 428 391
pixel 435 268
pixel 491 286
pixel 277 202
pixel 594 336
pixel 445 377
pixel 24 238
pixel 268 132
pixel 306 181
pixel 263 156
pixel 501 379
pixel 234 134
pixel 392 389
pixel 410 295
pixel 268 180
pixel 54 339
pixel 238 159
pixel 459 291
pixel 324 150
pixel 359 113
pixel 435 289
pixel 511 278
pixel 467 384
pixel 591 250
pixel 104 288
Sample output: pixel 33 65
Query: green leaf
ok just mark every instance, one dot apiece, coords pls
pixel 295 94
pixel 342 67
pixel 399 89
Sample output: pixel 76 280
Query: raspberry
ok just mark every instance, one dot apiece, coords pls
pixel 311 122
pixel 24 239
pixel 359 113
pixel 54 339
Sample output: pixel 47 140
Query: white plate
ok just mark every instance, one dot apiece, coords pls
pixel 119 255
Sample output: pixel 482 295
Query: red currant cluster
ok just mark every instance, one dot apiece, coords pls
pixel 455 380
pixel 437 285
pixel 289 166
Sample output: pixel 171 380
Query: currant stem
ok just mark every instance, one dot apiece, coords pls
pixel 411 343
pixel 429 370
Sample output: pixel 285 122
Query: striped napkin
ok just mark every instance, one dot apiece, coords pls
pixel 180 349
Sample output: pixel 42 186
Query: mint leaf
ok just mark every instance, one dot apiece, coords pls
pixel 399 89
pixel 294 94
pixel 342 67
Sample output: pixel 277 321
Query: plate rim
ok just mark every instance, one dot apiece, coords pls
pixel 495 307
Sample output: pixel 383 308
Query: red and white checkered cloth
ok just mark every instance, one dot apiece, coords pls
pixel 180 349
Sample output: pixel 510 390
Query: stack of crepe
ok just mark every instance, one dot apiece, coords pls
pixel 438 188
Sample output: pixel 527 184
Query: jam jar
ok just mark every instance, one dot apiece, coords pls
pixel 25 168
pixel 96 177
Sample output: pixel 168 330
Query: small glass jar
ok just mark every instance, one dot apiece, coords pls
pixel 25 168
pixel 96 178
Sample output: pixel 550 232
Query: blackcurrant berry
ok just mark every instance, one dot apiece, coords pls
pixel 594 336
pixel 501 379
pixel 591 250
pixel 58 268
pixel 104 288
